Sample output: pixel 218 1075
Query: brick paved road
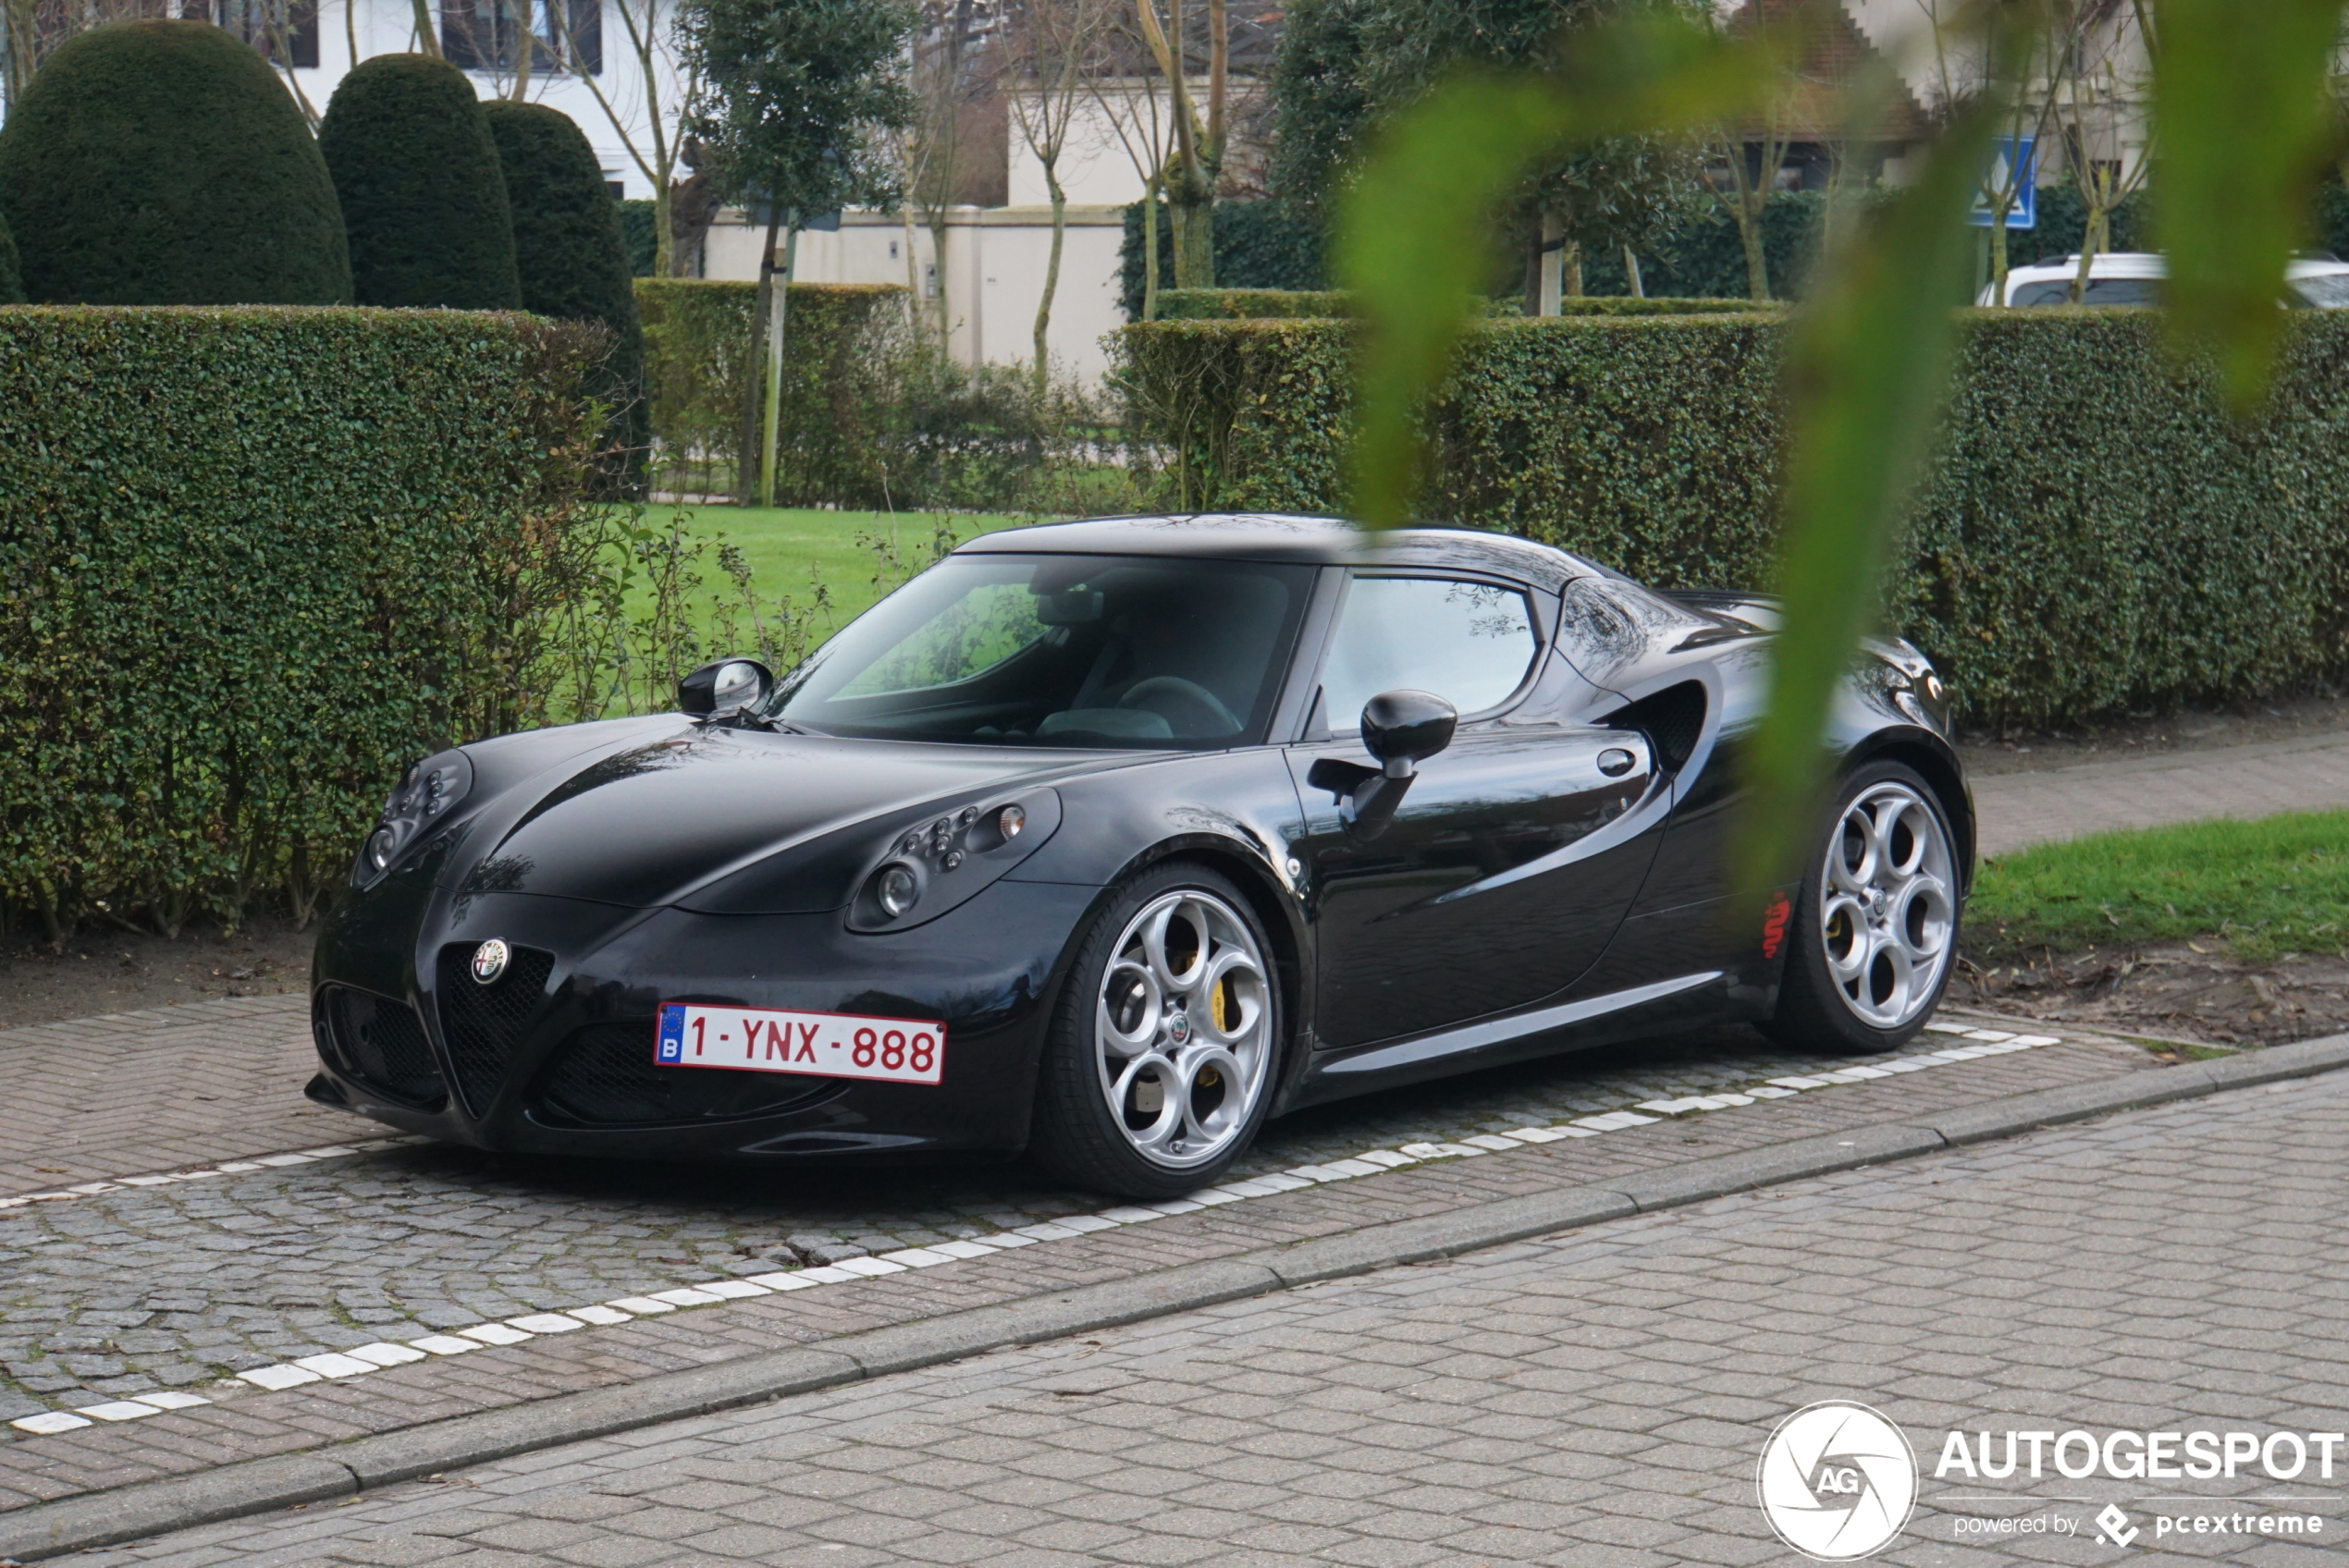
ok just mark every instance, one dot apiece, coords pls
pixel 1596 1399
pixel 2307 774
pixel 291 1261
pixel 179 1285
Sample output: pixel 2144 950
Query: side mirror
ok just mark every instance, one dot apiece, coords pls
pixel 1404 728
pixel 727 684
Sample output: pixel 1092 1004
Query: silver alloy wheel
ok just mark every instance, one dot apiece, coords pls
pixel 1886 906
pixel 1183 1029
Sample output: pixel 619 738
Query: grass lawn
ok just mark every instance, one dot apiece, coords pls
pixel 782 543
pixel 2255 890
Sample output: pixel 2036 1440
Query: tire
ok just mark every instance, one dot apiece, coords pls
pixel 1152 1031
pixel 1875 925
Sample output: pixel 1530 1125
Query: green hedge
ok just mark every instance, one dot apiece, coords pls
pixel 1258 245
pixel 838 350
pixel 2093 534
pixel 1295 305
pixel 253 562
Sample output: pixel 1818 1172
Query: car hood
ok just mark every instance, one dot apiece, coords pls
pixel 657 817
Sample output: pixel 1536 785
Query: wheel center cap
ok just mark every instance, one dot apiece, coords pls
pixel 1178 1028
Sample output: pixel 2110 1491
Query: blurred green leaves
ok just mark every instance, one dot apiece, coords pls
pixel 1412 230
pixel 2243 128
pixel 2242 122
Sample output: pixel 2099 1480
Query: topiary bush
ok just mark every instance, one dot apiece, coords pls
pixel 2093 532
pixel 569 255
pixel 161 163
pixel 253 562
pixel 424 200
pixel 11 285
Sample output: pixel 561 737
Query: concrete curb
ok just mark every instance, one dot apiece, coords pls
pixel 345 1469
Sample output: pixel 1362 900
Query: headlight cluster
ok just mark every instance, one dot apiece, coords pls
pixel 934 850
pixel 429 793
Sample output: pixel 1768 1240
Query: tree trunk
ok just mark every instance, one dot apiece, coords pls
pixel 1757 262
pixel 1999 257
pixel 2093 244
pixel 1052 277
pixel 1194 210
pixel 525 47
pixel 1150 249
pixel 664 242
pixel 781 310
pixel 1532 302
pixel 746 463
pixel 427 42
pixel 1570 270
pixel 938 270
pixel 1631 274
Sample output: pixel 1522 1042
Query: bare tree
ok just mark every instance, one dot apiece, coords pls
pixel 1199 140
pixel 1050 49
pixel 1741 170
pixel 941 72
pixel 2102 96
pixel 653 132
pixel 1128 96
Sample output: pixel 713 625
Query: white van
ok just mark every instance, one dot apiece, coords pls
pixel 2134 278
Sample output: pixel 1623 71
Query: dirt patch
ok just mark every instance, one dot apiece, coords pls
pixel 2141 735
pixel 2170 991
pixel 103 971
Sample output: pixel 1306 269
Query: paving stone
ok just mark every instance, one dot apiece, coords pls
pixel 1425 1476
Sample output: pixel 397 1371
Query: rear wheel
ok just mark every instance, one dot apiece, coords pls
pixel 1161 1058
pixel 1875 930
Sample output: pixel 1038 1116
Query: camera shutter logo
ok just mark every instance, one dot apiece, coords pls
pixel 1837 1481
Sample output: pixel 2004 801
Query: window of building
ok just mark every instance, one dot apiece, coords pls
pixel 286 31
pixel 484 35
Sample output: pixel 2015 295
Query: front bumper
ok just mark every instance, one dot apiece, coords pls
pixel 556 1057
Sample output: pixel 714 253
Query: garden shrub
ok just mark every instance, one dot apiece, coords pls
pixel 2092 533
pixel 423 198
pixel 11 285
pixel 253 562
pixel 569 254
pixel 638 232
pixel 1258 245
pixel 1257 304
pixel 873 416
pixel 162 163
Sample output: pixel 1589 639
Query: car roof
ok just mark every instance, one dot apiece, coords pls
pixel 2148 263
pixel 1273 536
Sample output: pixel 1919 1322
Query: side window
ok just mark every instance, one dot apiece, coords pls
pixel 1468 643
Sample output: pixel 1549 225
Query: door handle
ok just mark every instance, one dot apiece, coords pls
pixel 1615 762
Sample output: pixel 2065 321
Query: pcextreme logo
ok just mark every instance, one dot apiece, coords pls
pixel 1837 1481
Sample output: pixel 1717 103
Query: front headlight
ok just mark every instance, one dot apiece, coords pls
pixel 425 797
pixel 934 864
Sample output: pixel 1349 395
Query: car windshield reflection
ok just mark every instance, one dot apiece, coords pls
pixel 1075 651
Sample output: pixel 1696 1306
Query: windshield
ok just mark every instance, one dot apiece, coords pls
pixel 2100 291
pixel 1060 651
pixel 2325 291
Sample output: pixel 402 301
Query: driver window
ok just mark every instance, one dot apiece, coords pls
pixel 1468 643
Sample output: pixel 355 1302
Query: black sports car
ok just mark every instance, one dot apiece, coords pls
pixel 1109 840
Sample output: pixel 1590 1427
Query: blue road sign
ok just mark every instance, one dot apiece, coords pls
pixel 2013 162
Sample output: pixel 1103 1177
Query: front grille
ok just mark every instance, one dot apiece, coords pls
pixel 482 1023
pixel 381 1043
pixel 605 1075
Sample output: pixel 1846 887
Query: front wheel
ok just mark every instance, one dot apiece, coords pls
pixel 1876 928
pixel 1163 1047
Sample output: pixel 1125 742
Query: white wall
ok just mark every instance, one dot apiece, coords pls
pixel 995 275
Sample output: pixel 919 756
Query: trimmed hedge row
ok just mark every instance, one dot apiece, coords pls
pixel 253 562
pixel 1262 304
pixel 838 346
pixel 2092 534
